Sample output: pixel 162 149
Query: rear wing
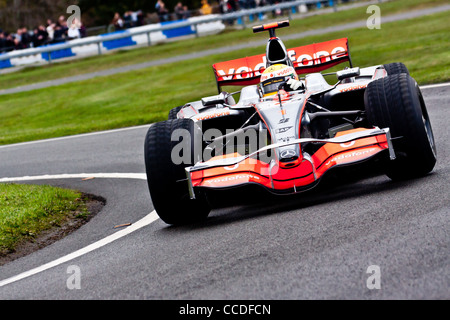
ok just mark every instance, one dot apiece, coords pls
pixel 305 59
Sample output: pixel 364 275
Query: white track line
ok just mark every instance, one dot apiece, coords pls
pixel 145 221
pixel 76 136
pixel 148 219
pixel 439 85
pixel 140 176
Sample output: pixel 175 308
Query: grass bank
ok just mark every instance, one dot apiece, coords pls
pixel 28 210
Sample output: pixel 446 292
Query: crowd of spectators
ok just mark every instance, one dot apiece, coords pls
pixel 181 11
pixel 44 34
pixel 58 31
pixel 130 19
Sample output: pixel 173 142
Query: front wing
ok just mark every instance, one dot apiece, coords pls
pixel 235 170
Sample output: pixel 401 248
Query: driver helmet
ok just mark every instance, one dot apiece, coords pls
pixel 275 75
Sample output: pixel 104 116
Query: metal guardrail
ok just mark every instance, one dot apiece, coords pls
pixel 98 40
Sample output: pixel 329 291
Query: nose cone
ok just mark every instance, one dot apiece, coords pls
pixel 289 157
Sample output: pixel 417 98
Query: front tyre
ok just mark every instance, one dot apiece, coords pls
pixel 166 177
pixel 396 102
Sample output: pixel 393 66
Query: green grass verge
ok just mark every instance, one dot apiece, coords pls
pixel 31 75
pixel 27 210
pixel 146 95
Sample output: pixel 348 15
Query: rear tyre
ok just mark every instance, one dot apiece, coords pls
pixel 173 112
pixel 395 68
pixel 396 102
pixel 167 180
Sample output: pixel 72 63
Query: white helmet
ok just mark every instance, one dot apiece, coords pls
pixel 275 75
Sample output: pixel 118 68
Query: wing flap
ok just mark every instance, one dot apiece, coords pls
pixel 306 59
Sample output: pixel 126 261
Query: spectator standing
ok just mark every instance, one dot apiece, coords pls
pixel 74 30
pixel 62 23
pixel 187 13
pixel 26 38
pixel 232 5
pixel 61 30
pixel 83 31
pixel 2 41
pixel 9 42
pixel 127 20
pixel 40 36
pixel 50 29
pixel 223 6
pixel 162 11
pixel 206 8
pixel 179 11
pixel 140 18
pixel 117 22
pixel 243 4
pixel 134 18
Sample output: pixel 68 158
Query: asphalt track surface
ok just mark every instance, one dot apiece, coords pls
pixel 317 245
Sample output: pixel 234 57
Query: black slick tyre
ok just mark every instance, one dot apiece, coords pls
pixel 396 102
pixel 166 178
pixel 395 68
pixel 173 112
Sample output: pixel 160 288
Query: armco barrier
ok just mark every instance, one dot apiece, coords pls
pixel 118 43
pixel 148 34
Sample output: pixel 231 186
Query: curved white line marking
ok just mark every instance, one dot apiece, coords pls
pixel 148 219
pixel 141 176
pixel 145 221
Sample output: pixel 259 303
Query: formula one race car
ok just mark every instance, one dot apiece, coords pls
pixel 285 133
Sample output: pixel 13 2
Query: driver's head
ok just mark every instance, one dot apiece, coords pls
pixel 275 75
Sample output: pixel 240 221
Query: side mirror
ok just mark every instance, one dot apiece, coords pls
pixel 348 73
pixel 213 100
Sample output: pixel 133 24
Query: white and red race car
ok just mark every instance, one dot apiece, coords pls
pixel 288 140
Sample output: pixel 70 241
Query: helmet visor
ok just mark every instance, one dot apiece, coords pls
pixel 271 86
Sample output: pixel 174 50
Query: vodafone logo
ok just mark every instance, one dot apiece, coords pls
pixel 244 176
pixel 298 59
pixel 243 72
pixel 348 144
pixel 279 73
pixel 350 155
pixel 231 168
pixel 318 57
